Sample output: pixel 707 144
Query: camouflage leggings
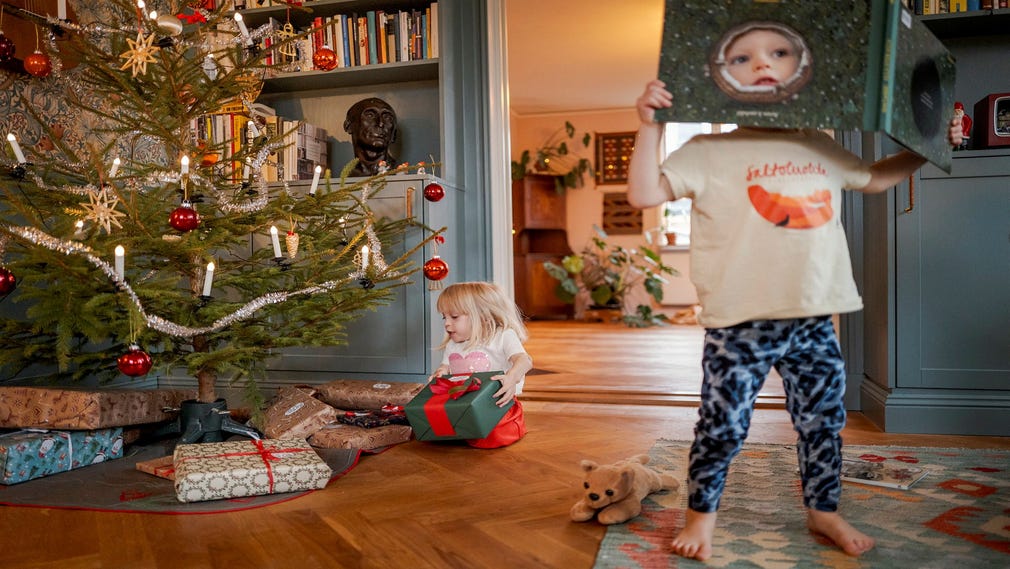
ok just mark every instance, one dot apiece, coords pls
pixel 736 361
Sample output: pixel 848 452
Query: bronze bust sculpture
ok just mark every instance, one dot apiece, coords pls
pixel 371 123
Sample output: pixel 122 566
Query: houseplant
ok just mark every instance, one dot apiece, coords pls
pixel 554 157
pixel 608 275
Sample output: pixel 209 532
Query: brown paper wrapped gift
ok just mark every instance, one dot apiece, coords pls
pixel 61 408
pixel 295 413
pixel 163 467
pixel 233 469
pixel 367 394
pixel 339 435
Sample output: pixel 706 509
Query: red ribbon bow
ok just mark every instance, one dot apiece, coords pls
pixel 443 389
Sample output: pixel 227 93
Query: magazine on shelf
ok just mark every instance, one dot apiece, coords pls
pixel 890 473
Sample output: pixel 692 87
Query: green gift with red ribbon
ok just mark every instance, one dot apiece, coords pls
pixel 456 407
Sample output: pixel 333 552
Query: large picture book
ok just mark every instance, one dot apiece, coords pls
pixel 862 65
pixel 889 473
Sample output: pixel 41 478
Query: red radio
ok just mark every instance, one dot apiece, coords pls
pixel 991 126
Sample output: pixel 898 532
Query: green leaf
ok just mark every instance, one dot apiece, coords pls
pixel 573 264
pixel 601 295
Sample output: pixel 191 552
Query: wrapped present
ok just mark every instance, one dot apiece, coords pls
pixel 339 435
pixel 163 467
pixel 456 407
pixel 363 394
pixel 233 469
pixel 388 415
pixel 59 408
pixel 25 455
pixel 295 413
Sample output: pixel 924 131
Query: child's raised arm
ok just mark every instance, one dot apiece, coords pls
pixel 646 186
pixel 890 171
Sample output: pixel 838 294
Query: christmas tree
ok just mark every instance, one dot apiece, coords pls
pixel 132 241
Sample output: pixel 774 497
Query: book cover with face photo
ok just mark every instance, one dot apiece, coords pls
pixel 791 64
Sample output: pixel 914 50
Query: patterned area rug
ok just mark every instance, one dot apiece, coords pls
pixel 117 486
pixel 956 517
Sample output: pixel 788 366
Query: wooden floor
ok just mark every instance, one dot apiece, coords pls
pixel 444 505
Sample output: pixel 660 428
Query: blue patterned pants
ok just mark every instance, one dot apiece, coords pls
pixel 736 361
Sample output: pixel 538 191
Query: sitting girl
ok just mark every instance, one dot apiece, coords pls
pixel 484 331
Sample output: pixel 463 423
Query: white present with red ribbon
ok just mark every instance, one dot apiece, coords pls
pixel 233 469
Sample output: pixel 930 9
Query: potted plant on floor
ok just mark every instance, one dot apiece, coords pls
pixel 606 275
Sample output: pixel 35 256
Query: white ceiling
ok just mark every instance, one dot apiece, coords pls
pixel 580 55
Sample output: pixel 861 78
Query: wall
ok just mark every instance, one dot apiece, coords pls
pixel 585 204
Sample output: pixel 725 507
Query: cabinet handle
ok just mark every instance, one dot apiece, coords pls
pixel 911 194
pixel 410 202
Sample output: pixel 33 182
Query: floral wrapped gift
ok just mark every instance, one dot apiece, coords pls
pixel 62 408
pixel 339 435
pixel 25 455
pixel 365 394
pixel 295 413
pixel 456 407
pixel 232 469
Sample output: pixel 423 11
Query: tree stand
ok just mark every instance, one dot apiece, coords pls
pixel 204 422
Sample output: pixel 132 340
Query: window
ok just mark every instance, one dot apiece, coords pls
pixel 675 216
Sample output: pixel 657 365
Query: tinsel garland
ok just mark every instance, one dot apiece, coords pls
pixel 156 322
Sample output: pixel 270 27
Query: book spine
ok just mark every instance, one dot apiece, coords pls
pixel 373 46
pixel 889 65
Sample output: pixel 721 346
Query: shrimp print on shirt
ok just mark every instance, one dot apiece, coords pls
pixel 792 212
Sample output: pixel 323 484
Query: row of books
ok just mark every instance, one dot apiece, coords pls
pixel 305 145
pixel 369 38
pixel 930 7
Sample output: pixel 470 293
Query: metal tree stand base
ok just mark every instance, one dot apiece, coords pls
pixel 206 422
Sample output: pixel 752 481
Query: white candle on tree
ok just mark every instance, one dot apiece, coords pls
pixel 208 279
pixel 276 241
pixel 16 147
pixel 120 262
pixel 315 180
pixel 185 165
pixel 61 9
pixel 364 258
pixel 243 29
pixel 115 167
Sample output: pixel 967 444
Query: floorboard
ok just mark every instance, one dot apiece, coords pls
pixel 443 506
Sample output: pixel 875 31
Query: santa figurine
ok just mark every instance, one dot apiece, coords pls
pixel 965 124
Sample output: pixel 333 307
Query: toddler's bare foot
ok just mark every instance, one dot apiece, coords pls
pixel 695 540
pixel 835 528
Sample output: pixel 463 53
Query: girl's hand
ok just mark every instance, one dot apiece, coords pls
pixel 655 97
pixel 440 371
pixel 955 135
pixel 508 389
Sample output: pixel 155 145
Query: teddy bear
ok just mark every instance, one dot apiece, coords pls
pixel 614 492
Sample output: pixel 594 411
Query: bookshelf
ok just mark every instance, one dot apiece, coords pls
pixel 968 24
pixel 396 342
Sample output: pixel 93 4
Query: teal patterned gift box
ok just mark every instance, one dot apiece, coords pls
pixel 457 407
pixel 25 455
pixel 233 469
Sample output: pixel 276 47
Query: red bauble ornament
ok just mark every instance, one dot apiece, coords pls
pixel 7 48
pixel 184 217
pixel 134 362
pixel 38 64
pixel 325 58
pixel 435 269
pixel 7 281
pixel 434 192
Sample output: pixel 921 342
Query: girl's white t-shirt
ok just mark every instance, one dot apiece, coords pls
pixel 494 356
pixel 767 240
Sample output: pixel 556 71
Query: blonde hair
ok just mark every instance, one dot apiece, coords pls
pixel 489 309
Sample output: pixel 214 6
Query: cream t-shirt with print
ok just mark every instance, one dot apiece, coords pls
pixel 766 234
pixel 492 357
